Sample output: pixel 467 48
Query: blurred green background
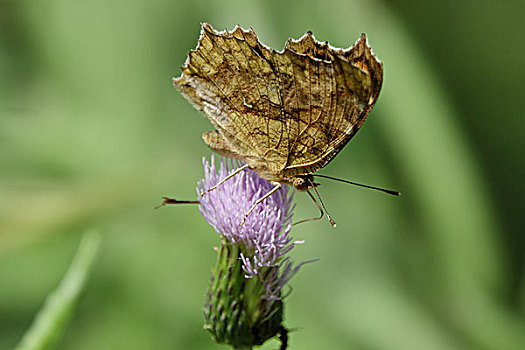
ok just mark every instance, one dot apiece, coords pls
pixel 92 134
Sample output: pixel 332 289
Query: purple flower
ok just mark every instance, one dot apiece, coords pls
pixel 264 238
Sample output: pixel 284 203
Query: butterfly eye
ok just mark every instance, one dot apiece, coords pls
pixel 300 183
pixel 303 183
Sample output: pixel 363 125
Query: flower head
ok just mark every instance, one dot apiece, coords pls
pixel 244 305
pixel 264 237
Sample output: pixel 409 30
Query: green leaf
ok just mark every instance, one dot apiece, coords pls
pixel 52 320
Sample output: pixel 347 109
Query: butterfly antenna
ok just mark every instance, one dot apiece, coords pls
pixel 324 208
pixel 393 193
pixel 167 200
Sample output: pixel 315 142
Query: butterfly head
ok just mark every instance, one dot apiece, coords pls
pixel 304 182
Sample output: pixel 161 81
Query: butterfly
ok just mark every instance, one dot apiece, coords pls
pixel 287 113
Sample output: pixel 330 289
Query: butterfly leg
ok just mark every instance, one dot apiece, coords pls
pixel 321 212
pixel 224 180
pixel 321 208
pixel 272 191
pixel 167 200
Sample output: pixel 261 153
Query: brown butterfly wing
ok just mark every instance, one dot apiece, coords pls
pixel 343 86
pixel 284 113
pixel 239 92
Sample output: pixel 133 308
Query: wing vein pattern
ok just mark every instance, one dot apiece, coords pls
pixel 285 113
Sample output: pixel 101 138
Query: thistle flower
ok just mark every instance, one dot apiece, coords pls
pixel 244 304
